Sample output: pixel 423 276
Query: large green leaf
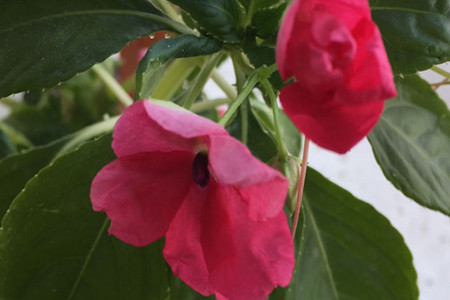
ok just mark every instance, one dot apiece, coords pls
pixel 416 33
pixel 219 18
pixel 151 68
pixel 411 143
pixel 53 246
pixel 17 169
pixel 347 250
pixel 48 41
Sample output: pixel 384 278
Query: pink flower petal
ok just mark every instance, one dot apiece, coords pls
pixel 182 122
pixel 246 259
pixel 263 188
pixel 183 251
pixel 139 196
pixel 135 132
pixel 334 127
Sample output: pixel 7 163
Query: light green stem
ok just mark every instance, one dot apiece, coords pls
pixel 282 152
pixel 223 84
pixel 240 81
pixel 113 85
pixel 246 90
pixel 201 80
pixel 168 9
pixel 174 77
pixel 441 72
pixel 207 105
pixel 249 16
pixel 86 134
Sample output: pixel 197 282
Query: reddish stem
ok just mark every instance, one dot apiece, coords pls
pixel 301 185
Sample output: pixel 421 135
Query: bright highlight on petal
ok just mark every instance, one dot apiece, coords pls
pixel 341 71
pixel 220 209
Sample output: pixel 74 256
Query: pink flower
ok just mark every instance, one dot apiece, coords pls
pixel 181 176
pixel 341 71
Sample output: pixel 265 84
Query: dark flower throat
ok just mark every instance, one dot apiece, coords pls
pixel 200 173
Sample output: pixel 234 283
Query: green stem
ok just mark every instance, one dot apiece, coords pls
pixel 168 9
pixel 87 133
pixel 223 84
pixel 246 90
pixel 301 186
pixel 240 81
pixel 249 16
pixel 441 72
pixel 201 80
pixel 207 105
pixel 174 77
pixel 282 152
pixel 113 85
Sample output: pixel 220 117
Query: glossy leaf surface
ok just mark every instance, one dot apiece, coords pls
pixel 219 18
pixel 49 41
pixel 416 33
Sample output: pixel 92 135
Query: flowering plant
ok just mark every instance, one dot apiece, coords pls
pixel 151 186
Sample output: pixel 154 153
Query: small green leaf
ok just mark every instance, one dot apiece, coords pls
pixel 49 41
pixel 411 143
pixel 266 21
pixel 219 18
pixel 17 169
pixel 347 250
pixel 416 33
pixel 152 67
pixel 53 246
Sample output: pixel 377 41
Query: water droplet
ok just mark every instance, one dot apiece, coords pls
pixel 152 36
pixel 167 36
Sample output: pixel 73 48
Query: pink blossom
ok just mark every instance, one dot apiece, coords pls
pixel 341 72
pixel 220 209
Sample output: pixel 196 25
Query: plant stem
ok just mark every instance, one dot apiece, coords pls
pixel 201 80
pixel 301 186
pixel 174 77
pixel 88 133
pixel 113 85
pixel 249 15
pixel 441 71
pixel 282 152
pixel 168 9
pixel 246 90
pixel 240 81
pixel 223 84
pixel 206 105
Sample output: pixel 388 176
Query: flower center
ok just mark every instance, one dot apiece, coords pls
pixel 200 173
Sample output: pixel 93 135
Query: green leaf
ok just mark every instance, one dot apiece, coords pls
pixel 290 134
pixel 348 250
pixel 266 21
pixel 152 67
pixel 219 18
pixel 49 41
pixel 411 143
pixel 416 33
pixel 53 246
pixel 17 169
